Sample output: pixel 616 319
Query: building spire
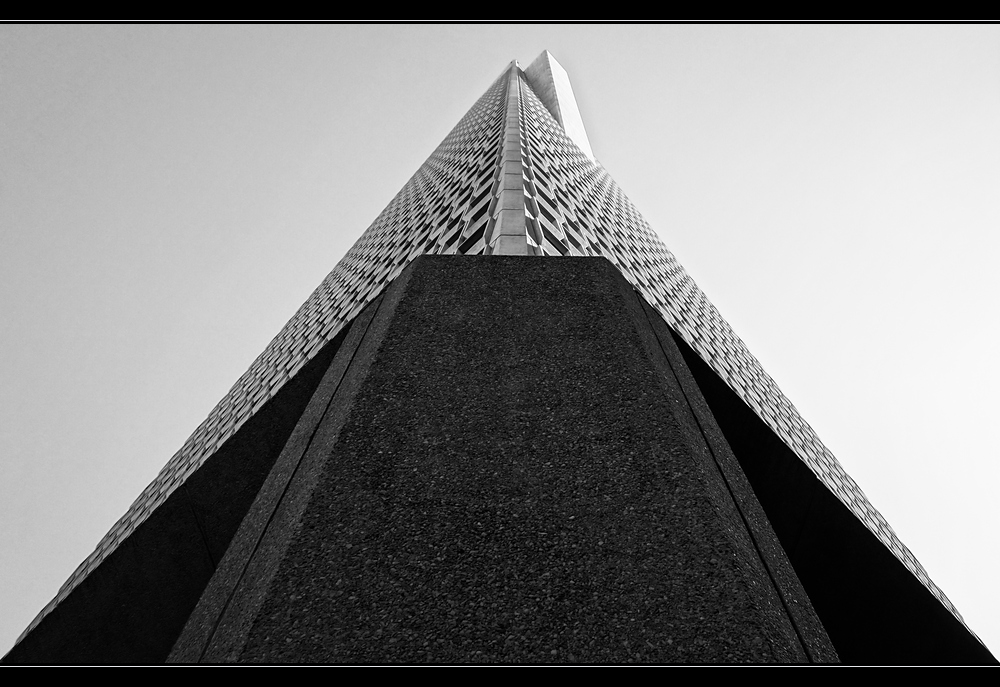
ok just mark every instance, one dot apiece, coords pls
pixel 550 82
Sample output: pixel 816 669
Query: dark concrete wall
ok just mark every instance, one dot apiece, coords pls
pixel 875 610
pixel 131 609
pixel 505 464
pixel 513 457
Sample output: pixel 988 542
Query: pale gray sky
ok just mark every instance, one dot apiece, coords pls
pixel 169 195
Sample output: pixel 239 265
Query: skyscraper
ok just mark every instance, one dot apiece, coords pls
pixel 516 177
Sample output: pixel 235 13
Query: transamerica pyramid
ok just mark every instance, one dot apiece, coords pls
pixel 481 457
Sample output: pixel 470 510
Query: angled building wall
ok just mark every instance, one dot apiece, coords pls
pixel 507 470
pixel 508 180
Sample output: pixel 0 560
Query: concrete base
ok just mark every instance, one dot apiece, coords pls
pixel 507 461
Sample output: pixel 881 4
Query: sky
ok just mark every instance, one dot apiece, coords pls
pixel 169 196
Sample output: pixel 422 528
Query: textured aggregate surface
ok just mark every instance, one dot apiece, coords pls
pixel 513 483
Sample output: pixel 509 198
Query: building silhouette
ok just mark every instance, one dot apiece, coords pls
pixel 455 453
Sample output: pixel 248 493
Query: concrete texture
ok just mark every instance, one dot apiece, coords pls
pixel 874 609
pixel 132 607
pixel 793 597
pixel 233 597
pixel 510 469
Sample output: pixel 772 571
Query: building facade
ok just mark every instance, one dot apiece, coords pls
pixel 515 177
